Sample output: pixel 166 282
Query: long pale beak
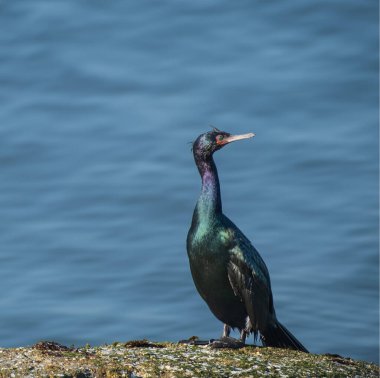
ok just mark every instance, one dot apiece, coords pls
pixel 233 138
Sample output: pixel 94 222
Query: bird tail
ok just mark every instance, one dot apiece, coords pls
pixel 276 335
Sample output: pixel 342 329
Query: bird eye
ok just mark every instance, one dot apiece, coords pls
pixel 220 137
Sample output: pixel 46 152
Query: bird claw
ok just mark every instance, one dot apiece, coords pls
pixel 194 340
pixel 226 342
pixel 223 342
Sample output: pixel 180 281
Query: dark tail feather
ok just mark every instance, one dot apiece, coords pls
pixel 278 336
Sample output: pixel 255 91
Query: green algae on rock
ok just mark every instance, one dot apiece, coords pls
pixel 142 358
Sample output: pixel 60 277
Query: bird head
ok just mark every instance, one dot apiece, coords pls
pixel 206 144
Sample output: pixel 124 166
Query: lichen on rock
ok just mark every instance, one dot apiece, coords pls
pixel 143 358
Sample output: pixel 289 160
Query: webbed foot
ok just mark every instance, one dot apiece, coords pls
pixel 226 342
pixel 194 340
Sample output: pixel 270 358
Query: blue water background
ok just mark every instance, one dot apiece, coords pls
pixel 97 182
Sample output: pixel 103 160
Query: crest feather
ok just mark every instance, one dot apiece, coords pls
pixel 215 129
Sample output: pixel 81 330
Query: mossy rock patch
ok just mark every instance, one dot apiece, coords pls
pixel 143 358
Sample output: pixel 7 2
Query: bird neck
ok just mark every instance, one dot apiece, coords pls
pixel 209 203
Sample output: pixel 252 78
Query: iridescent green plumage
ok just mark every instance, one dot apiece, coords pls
pixel 227 270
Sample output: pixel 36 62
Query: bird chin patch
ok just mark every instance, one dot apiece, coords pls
pixel 221 143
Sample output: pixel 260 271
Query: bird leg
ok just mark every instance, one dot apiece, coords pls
pixel 226 331
pixel 224 342
pixel 243 336
pixel 228 342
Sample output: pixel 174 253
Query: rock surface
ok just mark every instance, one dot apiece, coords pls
pixel 147 359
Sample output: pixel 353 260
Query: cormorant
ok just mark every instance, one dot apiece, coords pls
pixel 227 270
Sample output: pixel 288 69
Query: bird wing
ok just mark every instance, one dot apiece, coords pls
pixel 249 278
